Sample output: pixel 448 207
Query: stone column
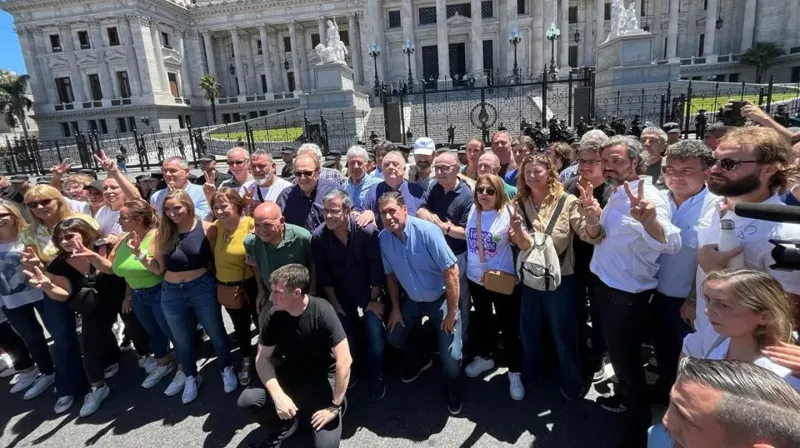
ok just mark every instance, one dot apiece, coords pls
pixel 672 32
pixel 144 47
pixel 321 29
pixel 355 49
pixel 302 48
pixel 212 66
pixel 512 25
pixel 584 52
pixel 377 35
pixel 564 41
pixel 505 51
pixel 265 52
pixel 253 85
pixel 194 61
pixel 186 78
pixel 103 70
pixel 599 22
pixel 161 69
pixel 135 72
pixel 38 79
pixel 275 49
pixel 749 28
pixel 476 36
pixel 237 57
pixel 41 61
pixel 407 22
pixel 74 71
pixel 295 56
pixel 537 40
pixel 442 40
pixel 655 28
pixel 711 28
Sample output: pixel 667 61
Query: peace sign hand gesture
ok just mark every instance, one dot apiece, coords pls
pixel 30 259
pixel 588 200
pixel 642 210
pixel 134 244
pixel 209 188
pixel 249 194
pixel 108 164
pixel 62 168
pixel 83 252
pixel 37 279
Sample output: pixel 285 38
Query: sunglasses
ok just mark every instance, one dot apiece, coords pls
pixel 68 237
pixel 303 173
pixel 486 190
pixel 730 164
pixel 44 203
pixel 237 162
pixel 5 215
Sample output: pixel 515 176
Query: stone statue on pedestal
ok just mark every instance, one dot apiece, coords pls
pixel 334 51
pixel 623 21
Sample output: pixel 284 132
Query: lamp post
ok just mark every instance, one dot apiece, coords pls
pixel 374 52
pixel 514 38
pixel 408 49
pixel 553 34
pixel 719 21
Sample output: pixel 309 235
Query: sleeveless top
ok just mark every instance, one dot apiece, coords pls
pixel 192 251
pixel 229 255
pixel 132 270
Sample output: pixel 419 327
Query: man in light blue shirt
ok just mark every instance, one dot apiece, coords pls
pixel 683 172
pixel 176 175
pixel 417 258
pixel 360 181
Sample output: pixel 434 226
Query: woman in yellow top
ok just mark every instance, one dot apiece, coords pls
pixel 232 226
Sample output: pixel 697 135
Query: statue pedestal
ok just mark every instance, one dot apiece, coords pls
pixel 333 76
pixel 628 60
pixel 334 89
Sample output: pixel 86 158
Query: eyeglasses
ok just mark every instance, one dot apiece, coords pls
pixel 489 191
pixel 669 171
pixel 588 162
pixel 730 164
pixel 68 237
pixel 44 203
pixel 237 162
pixel 303 173
pixel 5 215
pixel 444 168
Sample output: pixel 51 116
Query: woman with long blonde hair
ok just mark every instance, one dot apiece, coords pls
pixel 182 250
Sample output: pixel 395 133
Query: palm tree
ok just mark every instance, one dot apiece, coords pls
pixel 762 55
pixel 210 84
pixel 14 103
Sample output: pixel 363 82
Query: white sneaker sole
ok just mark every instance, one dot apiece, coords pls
pixel 155 382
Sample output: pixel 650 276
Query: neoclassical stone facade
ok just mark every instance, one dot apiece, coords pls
pixel 104 64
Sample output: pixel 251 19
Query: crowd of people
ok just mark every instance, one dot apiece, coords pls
pixel 577 255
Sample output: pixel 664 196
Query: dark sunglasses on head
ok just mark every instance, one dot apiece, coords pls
pixel 303 173
pixel 39 204
pixel 486 190
pixel 730 164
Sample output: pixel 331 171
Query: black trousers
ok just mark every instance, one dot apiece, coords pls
pixel 310 394
pixel 485 331
pixel 15 347
pixel 243 317
pixel 137 333
pixel 623 320
pixel 98 343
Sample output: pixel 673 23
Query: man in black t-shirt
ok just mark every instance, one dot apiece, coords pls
pixel 311 382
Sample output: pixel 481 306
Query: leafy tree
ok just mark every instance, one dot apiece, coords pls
pixel 210 84
pixel 14 103
pixel 761 56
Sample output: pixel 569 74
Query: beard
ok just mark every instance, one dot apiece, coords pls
pixel 615 178
pixel 741 187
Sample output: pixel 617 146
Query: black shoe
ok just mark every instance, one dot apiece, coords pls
pixel 454 400
pixel 412 373
pixel 275 440
pixel 126 344
pixel 377 390
pixel 612 404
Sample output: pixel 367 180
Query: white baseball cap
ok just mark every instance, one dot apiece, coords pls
pixel 424 146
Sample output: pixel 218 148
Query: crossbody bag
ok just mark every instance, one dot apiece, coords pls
pixel 493 280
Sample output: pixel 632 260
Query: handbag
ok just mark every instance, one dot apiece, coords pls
pixel 493 280
pixel 231 296
pixel 539 267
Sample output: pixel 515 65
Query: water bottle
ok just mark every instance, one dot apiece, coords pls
pixel 729 241
pixel 455 347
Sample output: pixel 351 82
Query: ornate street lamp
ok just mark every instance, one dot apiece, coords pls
pixel 577 36
pixel 719 16
pixel 514 38
pixel 553 34
pixel 285 61
pixel 374 52
pixel 408 49
pixel 646 26
pixel 232 69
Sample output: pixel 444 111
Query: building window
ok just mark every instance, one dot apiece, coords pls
pixel 64 88
pixel 132 123
pixel 121 125
pixel 463 9
pixel 427 16
pixel 263 84
pixel 314 40
pixel 573 14
pixel 181 123
pixel 344 36
pixel 262 113
pixel 103 126
pixel 260 48
pixel 795 77
pixel 290 82
pixel 521 7
pixel 173 84
pixel 702 44
pixel 55 43
pixel 287 44
pixel 253 114
pixel 65 131
pixel 607 12
pixel 232 53
pixel 705 5
pixel 487 9
pixel 165 40
pixel 394 19
pixel 124 85
pixel 226 118
pixel 94 85
pixel 113 36
pixel 93 126
pixel 573 56
pixel 75 128
pixel 83 39
pixel 237 117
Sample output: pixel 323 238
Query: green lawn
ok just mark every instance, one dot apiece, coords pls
pixel 712 105
pixel 272 135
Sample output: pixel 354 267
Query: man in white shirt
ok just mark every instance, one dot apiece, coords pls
pixel 264 184
pixel 176 175
pixel 637 228
pixel 751 166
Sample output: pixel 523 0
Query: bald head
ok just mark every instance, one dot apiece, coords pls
pixel 267 210
pixel 269 223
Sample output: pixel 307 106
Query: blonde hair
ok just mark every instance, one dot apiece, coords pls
pixel 19 222
pixel 553 184
pixel 81 179
pixel 760 293
pixel 501 198
pixel 167 234
pixel 40 192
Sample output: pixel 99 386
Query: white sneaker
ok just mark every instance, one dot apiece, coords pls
pixel 148 363
pixel 515 387
pixel 25 380
pixel 177 384
pixel 63 404
pixel 40 385
pixel 190 389
pixel 155 376
pixel 229 380
pixel 111 370
pixel 478 366
pixel 93 400
pixel 6 366
pixel 118 328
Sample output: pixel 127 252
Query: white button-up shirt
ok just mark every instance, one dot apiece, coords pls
pixel 627 257
pixel 676 271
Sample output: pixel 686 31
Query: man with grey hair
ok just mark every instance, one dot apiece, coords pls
pixel 176 175
pixel 324 173
pixel 637 230
pixel 360 181
pixel 489 163
pixel 684 174
pixel 723 404
pixel 264 184
pixel 349 267
pixel 654 140
pixel 591 139
pixel 238 166
pixel 393 180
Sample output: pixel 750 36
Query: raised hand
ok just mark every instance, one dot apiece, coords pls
pixel 134 244
pixel 37 279
pixel 171 186
pixel 82 251
pixel 249 195
pixel 30 259
pixel 588 200
pixel 754 113
pixel 209 189
pixel 107 163
pixel 62 168
pixel 642 210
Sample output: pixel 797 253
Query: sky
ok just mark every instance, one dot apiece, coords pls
pixel 11 55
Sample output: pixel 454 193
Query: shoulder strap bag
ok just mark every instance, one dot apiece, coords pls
pixel 493 280
pixel 539 267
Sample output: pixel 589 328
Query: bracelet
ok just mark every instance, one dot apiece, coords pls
pixel 449 227
pixel 336 406
pixel 141 257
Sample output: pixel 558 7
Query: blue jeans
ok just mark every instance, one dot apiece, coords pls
pixel 412 316
pixel 374 339
pixel 181 302
pixel 23 321
pixel 147 307
pixel 558 308
pixel 60 322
